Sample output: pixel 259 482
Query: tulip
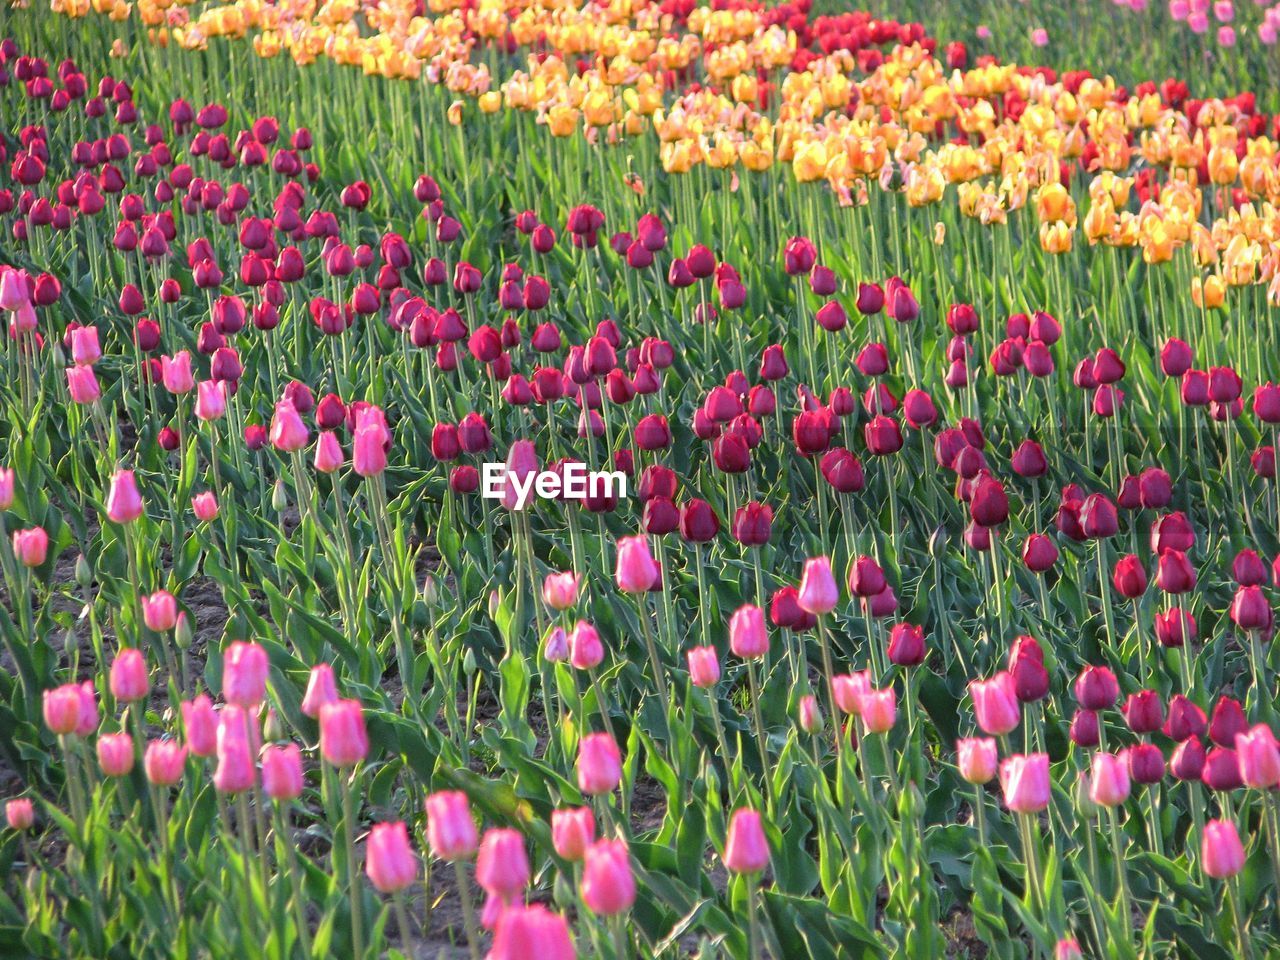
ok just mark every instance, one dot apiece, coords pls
pixel 20 814
pixel 160 611
pixel 1250 610
pixel 30 547
pixel 1222 770
pixel 599 764
pixel 572 832
pixel 211 400
pixel 704 666
pixel 748 637
pixel 976 758
pixel 328 456
pixel 390 862
pixel 608 884
pixel 637 571
pixel 1025 781
pixel 818 593
pixel 164 762
pixel 534 931
pixel 451 830
pixel 585 649
pixel 82 385
pixel 1259 757
pixel 995 704
pixel 502 866
pixel 124 502
pixel 115 754
pixel 1146 763
pixel 244 674
pixel 746 850
pixel 810 714
pixel 1096 688
pixel 343 740
pixel 205 506
pixel 200 723
pixel 282 772
pixel 560 590
pixel 1221 853
pixel 1084 731
pixel 1108 780
pixel 906 645
pixel 878 710
pixel 1143 711
pixel 235 771
pixel 129 680
pixel 1187 762
pixel 62 709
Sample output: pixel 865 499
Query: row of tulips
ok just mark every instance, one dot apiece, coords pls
pixel 254 380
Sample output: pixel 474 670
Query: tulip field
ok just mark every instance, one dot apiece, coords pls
pixel 639 479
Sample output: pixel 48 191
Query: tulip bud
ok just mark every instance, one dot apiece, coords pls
pixel 1221 853
pixel 746 849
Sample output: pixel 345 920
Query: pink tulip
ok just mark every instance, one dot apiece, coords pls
pixel 560 590
pixel 282 772
pixel 637 571
pixel 205 506
pixel 211 400
pixel 704 667
pixel 82 385
pixel 328 457
pixel 502 865
pixel 115 754
pixel 879 709
pixel 175 373
pixel 818 592
pixel 608 884
pixel 235 772
pixel 451 830
pixel 129 679
pixel 343 740
pixel 288 432
pixel 164 762
pixel 746 850
pixel 1108 780
pixel 321 689
pixel 160 611
pixel 748 636
pixel 1025 780
pixel 124 502
pixel 1259 757
pixel 30 547
pixel 62 709
pixel 572 832
pixel 370 442
pixel 200 724
pixel 20 814
pixel 522 933
pixel 599 764
pixel 244 674
pixel 977 759
pixel 995 704
pixel 390 862
pixel 1221 852
pixel 585 649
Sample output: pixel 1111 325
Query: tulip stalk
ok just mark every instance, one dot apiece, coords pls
pixel 353 873
pixel 468 909
pixel 285 842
